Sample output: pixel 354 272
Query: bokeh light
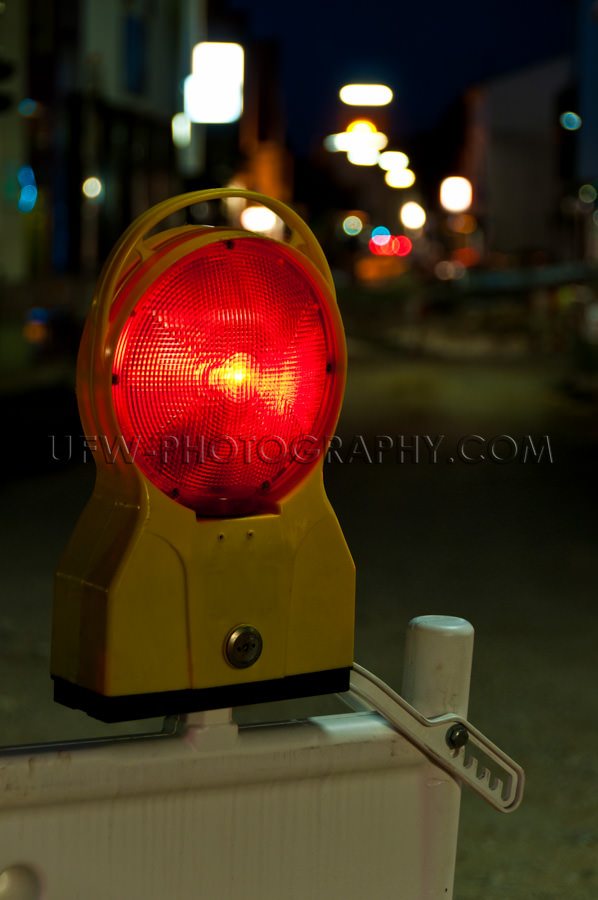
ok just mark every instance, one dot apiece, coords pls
pixel 25 176
pixel 399 178
pixel 463 223
pixel 27 198
pixel 361 126
pixel 403 245
pixel 446 270
pixel 361 141
pixel 392 245
pixel 587 193
pixel 570 121
pixel 336 143
pixel 365 94
pixel 259 219
pixel 92 187
pixel 380 235
pixel 28 189
pixel 352 225
pixel 393 159
pixel 27 107
pixel 181 130
pixel 412 215
pixel 348 141
pixel 456 194
pixel 363 155
pixel 214 90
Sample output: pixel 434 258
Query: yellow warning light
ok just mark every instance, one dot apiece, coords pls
pixel 208 568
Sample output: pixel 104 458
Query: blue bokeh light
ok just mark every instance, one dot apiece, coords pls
pixel 27 198
pixel 570 121
pixel 27 107
pixel 26 177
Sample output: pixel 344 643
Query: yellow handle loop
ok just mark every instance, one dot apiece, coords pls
pixel 301 239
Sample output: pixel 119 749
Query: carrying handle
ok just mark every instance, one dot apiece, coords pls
pixel 132 241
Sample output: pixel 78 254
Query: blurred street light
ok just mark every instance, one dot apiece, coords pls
pixel 259 219
pixel 399 178
pixel 365 94
pixel 92 187
pixel 412 215
pixel 456 194
pixel 181 130
pixel 214 90
pixel 393 159
pixel 363 154
pixel 352 225
pixel 361 142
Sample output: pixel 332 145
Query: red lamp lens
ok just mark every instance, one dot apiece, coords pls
pixel 224 377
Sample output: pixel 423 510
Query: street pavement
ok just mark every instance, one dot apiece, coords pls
pixel 506 542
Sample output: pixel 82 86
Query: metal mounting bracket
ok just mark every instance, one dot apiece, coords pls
pixel 449 740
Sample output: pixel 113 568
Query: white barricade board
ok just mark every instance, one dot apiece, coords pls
pixel 333 807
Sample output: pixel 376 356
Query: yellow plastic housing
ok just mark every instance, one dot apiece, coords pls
pixel 147 593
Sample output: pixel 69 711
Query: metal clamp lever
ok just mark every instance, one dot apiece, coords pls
pixel 448 740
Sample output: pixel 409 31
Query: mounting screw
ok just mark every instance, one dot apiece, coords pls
pixel 457 736
pixel 243 646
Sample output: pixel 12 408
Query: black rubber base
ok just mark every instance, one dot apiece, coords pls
pixel 168 703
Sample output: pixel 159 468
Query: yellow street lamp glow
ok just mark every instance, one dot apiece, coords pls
pixel 358 133
pixel 456 194
pixel 412 215
pixel 92 187
pixel 360 143
pixel 364 144
pixel 181 130
pixel 365 94
pixel 393 159
pixel 399 178
pixel 361 126
pixel 214 90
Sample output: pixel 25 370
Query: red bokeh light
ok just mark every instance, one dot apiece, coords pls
pixel 404 245
pixel 224 372
pixel 396 245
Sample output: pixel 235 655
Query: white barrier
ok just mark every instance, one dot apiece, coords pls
pixel 333 807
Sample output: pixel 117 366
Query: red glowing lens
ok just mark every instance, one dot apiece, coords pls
pixel 224 377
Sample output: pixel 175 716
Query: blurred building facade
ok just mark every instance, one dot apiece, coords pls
pixel 95 95
pixel 512 155
pixel 531 150
pixel 586 156
pixel 92 88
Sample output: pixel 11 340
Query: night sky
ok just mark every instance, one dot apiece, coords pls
pixel 428 52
